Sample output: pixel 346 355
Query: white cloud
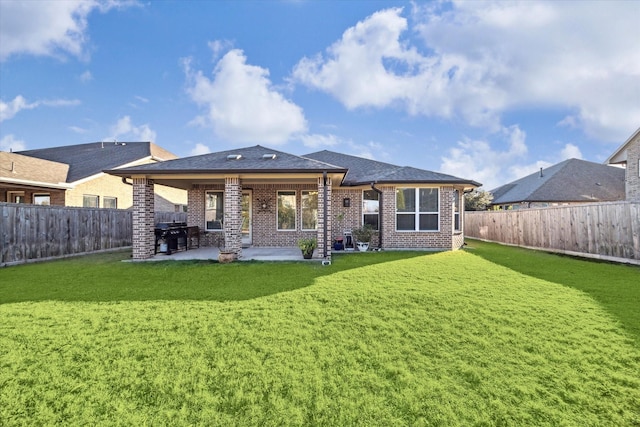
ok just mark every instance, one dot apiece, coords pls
pixel 9 109
pixel 10 143
pixel 199 149
pixel 477 60
pixel 86 77
pixel 77 129
pixel 571 151
pixel 493 167
pixel 317 140
pixel 241 104
pixel 49 28
pixel 125 128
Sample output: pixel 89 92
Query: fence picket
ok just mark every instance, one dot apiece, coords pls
pixel 605 230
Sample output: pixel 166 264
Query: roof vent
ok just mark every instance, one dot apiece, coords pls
pixel 234 156
pixel 268 156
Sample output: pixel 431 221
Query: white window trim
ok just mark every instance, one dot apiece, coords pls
pixel 459 212
pixel 93 196
pixel 295 216
pixel 301 208
pixel 417 212
pixel 213 230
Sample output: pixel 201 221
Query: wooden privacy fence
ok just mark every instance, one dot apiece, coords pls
pixel 604 230
pixel 31 232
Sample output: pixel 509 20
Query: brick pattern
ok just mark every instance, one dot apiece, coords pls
pixel 324 243
pixel 232 215
pixel 143 218
pixel 264 220
pixel 632 184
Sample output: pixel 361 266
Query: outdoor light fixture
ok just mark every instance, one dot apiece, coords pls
pixel 346 202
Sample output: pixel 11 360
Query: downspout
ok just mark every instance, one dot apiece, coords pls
pixel 326 216
pixel 380 216
pixel 124 181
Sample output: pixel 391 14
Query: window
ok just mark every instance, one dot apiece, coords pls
pixel 42 199
pixel 309 208
pixel 456 211
pixel 214 210
pixel 286 210
pixel 16 197
pixel 370 209
pixel 417 209
pixel 110 202
pixel 89 201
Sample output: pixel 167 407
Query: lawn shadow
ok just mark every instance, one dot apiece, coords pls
pixel 104 278
pixel 616 287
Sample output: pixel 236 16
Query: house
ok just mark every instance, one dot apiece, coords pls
pixel 72 175
pixel 569 182
pixel 262 197
pixel 25 179
pixel 628 155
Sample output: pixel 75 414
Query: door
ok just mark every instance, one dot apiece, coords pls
pixel 245 228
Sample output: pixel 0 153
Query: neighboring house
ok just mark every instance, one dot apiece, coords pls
pixel 569 182
pixel 263 197
pixel 72 175
pixel 25 179
pixel 628 155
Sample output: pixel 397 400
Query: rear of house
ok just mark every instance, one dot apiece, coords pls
pixel 257 196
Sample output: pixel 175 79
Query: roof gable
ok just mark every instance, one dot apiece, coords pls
pixel 85 160
pixel 572 180
pixel 620 155
pixel 15 166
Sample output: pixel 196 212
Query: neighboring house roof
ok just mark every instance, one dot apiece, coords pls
pixel 86 160
pixel 366 171
pixel 17 169
pixel 620 155
pixel 572 180
pixel 246 160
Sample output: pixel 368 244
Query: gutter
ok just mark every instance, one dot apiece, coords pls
pixel 380 215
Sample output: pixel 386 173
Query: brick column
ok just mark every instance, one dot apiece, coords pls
pixel 324 241
pixel 143 218
pixel 632 184
pixel 232 215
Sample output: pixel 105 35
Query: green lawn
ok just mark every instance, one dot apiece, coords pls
pixel 486 336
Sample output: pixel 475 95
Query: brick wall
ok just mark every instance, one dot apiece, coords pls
pixel 56 197
pixel 143 240
pixel 632 184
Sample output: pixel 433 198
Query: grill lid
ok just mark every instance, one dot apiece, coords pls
pixel 170 225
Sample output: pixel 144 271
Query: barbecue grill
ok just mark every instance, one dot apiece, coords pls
pixel 170 237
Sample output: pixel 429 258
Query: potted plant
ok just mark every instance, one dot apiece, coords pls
pixel 363 237
pixel 225 256
pixel 307 247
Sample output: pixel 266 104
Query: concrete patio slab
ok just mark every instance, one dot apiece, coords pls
pixel 248 254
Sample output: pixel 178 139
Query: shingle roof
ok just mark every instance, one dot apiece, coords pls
pixel 572 180
pixel 85 160
pixel 15 166
pixel 365 171
pixel 247 159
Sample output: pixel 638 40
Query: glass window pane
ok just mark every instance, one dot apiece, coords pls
pixel 429 222
pixel 406 200
pixel 90 201
pixel 428 200
pixel 214 211
pixel 405 222
pixel 370 195
pixel 309 210
pixel 110 202
pixel 286 210
pixel 371 220
pixel 41 199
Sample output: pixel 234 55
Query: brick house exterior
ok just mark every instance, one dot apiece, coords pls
pixel 73 175
pixel 272 198
pixel 628 155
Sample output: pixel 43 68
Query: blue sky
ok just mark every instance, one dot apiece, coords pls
pixel 483 90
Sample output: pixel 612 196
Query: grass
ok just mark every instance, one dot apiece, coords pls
pixel 480 337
